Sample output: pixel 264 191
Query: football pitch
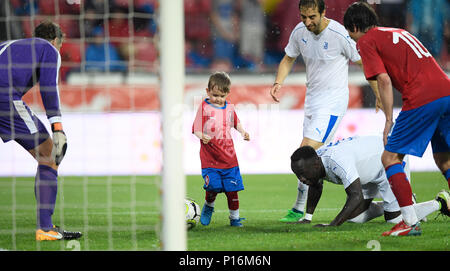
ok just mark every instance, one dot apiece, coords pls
pixel 122 213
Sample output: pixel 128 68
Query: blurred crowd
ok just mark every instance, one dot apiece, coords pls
pixel 231 35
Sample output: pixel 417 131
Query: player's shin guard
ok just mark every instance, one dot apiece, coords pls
pixel 233 200
pixel 46 189
pixel 402 191
pixel 210 198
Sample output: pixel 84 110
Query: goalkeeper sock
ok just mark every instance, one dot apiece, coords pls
pixel 45 189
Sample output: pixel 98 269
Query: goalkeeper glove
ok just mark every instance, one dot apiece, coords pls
pixel 59 143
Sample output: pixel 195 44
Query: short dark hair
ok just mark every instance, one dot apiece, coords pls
pixel 361 16
pixel 304 153
pixel 221 80
pixel 48 30
pixel 320 4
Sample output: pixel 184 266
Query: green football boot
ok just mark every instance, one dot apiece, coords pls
pixel 292 216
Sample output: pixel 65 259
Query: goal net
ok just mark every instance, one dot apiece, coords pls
pixel 127 109
pixel 112 183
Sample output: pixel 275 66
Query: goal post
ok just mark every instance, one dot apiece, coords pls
pixel 173 188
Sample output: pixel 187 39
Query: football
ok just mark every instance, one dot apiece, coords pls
pixel 192 213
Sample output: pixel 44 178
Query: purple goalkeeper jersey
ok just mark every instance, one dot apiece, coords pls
pixel 24 63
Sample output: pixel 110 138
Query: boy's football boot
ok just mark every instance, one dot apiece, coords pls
pixel 205 217
pixel 236 222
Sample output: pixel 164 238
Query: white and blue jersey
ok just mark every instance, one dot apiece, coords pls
pixel 359 158
pixel 353 158
pixel 326 57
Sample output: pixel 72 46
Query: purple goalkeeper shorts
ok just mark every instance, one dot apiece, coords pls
pixel 19 123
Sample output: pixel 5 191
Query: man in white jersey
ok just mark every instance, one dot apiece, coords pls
pixel 355 163
pixel 326 48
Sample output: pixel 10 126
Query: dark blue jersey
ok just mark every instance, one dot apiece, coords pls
pixel 23 64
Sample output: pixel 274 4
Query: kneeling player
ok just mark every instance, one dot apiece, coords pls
pixel 356 164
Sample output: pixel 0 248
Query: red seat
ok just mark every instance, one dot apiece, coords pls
pixel 47 7
pixel 28 29
pixel 69 26
pixel 69 7
pixel 70 57
pixel 71 51
pixel 192 7
pixel 146 52
pixel 197 25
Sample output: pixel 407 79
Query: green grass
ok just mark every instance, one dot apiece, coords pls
pixel 103 209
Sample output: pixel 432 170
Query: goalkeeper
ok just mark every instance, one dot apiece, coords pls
pixel 23 64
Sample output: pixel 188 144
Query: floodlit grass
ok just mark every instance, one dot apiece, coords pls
pixel 122 213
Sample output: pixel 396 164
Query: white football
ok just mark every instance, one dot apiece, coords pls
pixel 192 213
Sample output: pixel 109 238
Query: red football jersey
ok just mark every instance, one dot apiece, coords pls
pixel 412 69
pixel 217 123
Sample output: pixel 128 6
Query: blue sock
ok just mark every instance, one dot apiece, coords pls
pixel 45 189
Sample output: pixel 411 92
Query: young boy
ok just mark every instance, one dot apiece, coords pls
pixel 220 170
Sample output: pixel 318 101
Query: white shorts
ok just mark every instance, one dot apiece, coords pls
pixel 381 189
pixel 321 128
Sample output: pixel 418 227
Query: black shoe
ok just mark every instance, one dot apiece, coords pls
pixel 68 235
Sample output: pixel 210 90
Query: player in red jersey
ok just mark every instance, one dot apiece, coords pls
pixel 395 58
pixel 220 169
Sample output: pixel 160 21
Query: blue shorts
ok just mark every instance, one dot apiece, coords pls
pixel 222 180
pixel 19 123
pixel 414 129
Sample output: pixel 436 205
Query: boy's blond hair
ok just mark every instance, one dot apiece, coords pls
pixel 221 80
